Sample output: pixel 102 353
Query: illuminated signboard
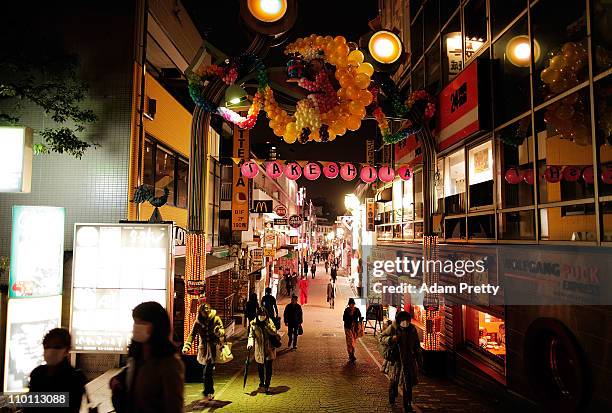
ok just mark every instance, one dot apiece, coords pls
pixel 29 319
pixel 116 267
pixel 15 159
pixel 37 251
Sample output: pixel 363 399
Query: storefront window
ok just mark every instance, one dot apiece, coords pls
pixel 164 174
pixel 433 82
pixel 408 230
pixel 418 195
pixel 480 162
pixel 559 31
pixel 475 20
pixel 601 15
pixel 605 209
pixel 511 92
pixel 515 148
pixel 518 225
pixel 431 21
pixel 568 223
pixel 408 201
pixel 397 201
pixel 182 185
pixel 454 228
pixel 148 175
pixel 447 9
pixel 481 227
pixel 603 131
pixel 503 12
pixel 452 57
pixel 416 38
pixel 454 183
pixel 565 154
pixel 439 187
pixel 418 75
pixel 486 333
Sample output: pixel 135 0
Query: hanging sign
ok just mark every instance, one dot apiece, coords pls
pixel 348 172
pixel 257 256
pixel 240 188
pixel 368 174
pixel 262 207
pixel 312 171
pixel 269 252
pixel 294 240
pixel 249 169
pixel 295 221
pixel 280 221
pixel 280 210
pixel 331 170
pixel 408 151
pixel 274 169
pixel 370 151
pixel 370 214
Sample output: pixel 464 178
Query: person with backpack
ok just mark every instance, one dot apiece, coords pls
pixel 293 320
pixel 264 339
pixel 401 349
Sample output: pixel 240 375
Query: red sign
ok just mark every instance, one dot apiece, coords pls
pixel 280 210
pixel 459 114
pixel 408 151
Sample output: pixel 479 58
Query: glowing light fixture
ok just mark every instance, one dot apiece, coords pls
pixel 351 201
pixel 234 94
pixel 518 50
pixel 267 11
pixel 385 47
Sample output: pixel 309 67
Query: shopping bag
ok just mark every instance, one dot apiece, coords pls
pixel 359 331
pixel 300 330
pixel 224 354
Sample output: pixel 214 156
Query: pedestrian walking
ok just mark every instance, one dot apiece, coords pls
pixel 262 338
pixel 250 309
pixel 326 267
pixel 287 280
pixel 403 357
pixel 305 267
pixel 209 327
pixel 293 320
pixel 294 282
pixel 154 379
pixel 57 375
pixel 313 269
pixel 303 284
pixel 352 320
pixel 269 303
pixel 334 273
pixel 331 293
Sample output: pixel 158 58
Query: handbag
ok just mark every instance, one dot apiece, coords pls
pixel 277 322
pixel 275 340
pixel 300 330
pixel 224 354
pixel 359 330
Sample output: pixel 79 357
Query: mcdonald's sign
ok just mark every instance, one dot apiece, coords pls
pixel 262 207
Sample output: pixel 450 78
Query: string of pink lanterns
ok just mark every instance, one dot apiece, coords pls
pixel 313 171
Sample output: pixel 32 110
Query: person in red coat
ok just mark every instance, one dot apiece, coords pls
pixel 303 284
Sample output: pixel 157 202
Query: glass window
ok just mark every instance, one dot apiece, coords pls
pixel 439 187
pixel 481 227
pixel 182 184
pixel 480 162
pixel 452 59
pixel 565 154
pixel 569 223
pixel 454 183
pixel 164 174
pixel 447 8
pixel 408 201
pixel 518 225
pixel 475 20
pixel 605 209
pixel 418 195
pixel 418 74
pixel 559 32
pixel 148 174
pixel 511 70
pixel 433 82
pixel 503 12
pixel 454 228
pixel 601 17
pixel 416 39
pixel 432 21
pixel 515 148
pixel 397 201
pixel 603 113
pixel 486 333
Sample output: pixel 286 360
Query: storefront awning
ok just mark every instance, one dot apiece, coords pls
pixel 215 265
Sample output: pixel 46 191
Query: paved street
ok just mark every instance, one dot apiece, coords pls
pixel 317 377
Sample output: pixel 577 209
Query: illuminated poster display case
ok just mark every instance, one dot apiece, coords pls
pixel 117 267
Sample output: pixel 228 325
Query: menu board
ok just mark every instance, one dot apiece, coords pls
pixel 28 321
pixel 37 251
pixel 116 267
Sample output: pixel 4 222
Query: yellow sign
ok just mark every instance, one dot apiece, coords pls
pixel 269 252
pixel 240 187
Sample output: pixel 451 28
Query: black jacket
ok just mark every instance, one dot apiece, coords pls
pixel 269 303
pixel 293 314
pixel 66 379
pixel 351 321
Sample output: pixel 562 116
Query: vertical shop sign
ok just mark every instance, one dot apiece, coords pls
pixel 370 151
pixel 370 214
pixel 240 187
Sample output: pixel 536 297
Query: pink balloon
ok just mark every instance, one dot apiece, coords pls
pixel 513 176
pixel 312 171
pixel 405 173
pixel 331 170
pixel 293 171
pixel 571 173
pixel 588 175
pixel 552 174
pixel 348 172
pixel 249 169
pixel 274 169
pixel 386 173
pixel 368 174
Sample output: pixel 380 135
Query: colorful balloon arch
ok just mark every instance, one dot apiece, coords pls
pixel 341 92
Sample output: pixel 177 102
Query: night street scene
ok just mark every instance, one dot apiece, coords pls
pixel 306 206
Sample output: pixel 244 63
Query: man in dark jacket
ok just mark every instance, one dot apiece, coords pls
pixel 334 273
pixel 269 303
pixel 293 320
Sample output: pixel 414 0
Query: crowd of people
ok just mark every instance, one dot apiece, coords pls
pixel 154 375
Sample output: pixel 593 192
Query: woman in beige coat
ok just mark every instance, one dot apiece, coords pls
pixel 261 332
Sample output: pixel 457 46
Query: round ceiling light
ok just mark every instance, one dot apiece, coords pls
pixel 385 47
pixel 267 11
pixel 518 51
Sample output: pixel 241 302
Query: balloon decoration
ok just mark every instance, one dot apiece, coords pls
pixel 571 173
pixel 606 175
pixel 568 117
pixel 249 169
pixel 293 171
pixel 554 174
pixel 513 176
pixel 331 170
pixel 405 172
pixel 348 171
pixel 528 176
pixel 588 175
pixel 368 174
pixel 386 173
pixel 274 169
pixel 312 171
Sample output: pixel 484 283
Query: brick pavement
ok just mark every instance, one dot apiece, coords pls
pixel 318 378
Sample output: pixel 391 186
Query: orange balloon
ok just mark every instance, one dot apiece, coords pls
pixel 366 68
pixel 342 93
pixel 352 92
pixel 362 80
pixel 365 97
pixel 356 108
pixel 353 123
pixel 340 73
pixel 340 39
pixel 346 81
pixel 342 50
pixel 342 61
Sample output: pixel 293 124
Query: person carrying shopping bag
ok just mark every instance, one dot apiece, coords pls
pixel 264 340
pixel 352 327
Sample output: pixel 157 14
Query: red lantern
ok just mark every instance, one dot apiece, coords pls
pixel 249 169
pixel 274 169
pixel 368 174
pixel 571 173
pixel 588 175
pixel 513 176
pixel 528 176
pixel 293 171
pixel 331 170
pixel 312 171
pixel 348 172
pixel 405 173
pixel 606 175
pixel 552 174
pixel 386 173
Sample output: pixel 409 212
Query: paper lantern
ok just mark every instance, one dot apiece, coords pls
pixel 386 173
pixel 368 174
pixel 513 176
pixel 405 173
pixel 606 175
pixel 312 171
pixel 348 172
pixel 528 176
pixel 552 174
pixel 293 171
pixel 331 170
pixel 249 169
pixel 588 175
pixel 274 169
pixel 571 173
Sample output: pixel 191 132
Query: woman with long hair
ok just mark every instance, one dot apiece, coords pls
pixel 154 378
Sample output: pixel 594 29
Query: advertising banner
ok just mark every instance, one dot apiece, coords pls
pixel 240 187
pixel 370 214
pixel 15 159
pixel 115 268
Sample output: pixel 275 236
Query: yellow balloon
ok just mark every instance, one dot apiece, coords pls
pixel 353 123
pixel 366 68
pixel 362 80
pixel 355 57
pixel 290 138
pixel 342 50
